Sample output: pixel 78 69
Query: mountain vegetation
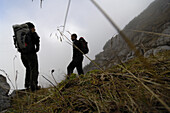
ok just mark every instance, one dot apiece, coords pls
pixel 128 87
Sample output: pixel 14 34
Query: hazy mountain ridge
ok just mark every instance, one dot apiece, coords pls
pixel 154 19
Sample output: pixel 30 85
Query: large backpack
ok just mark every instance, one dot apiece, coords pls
pixel 84 45
pixel 20 34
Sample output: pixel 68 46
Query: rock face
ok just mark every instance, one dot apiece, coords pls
pixel 4 90
pixel 146 32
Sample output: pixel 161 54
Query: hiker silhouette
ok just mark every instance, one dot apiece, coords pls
pixel 77 58
pixel 27 42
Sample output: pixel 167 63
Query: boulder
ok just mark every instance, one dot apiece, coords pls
pixel 4 90
pixel 154 51
pixel 4 86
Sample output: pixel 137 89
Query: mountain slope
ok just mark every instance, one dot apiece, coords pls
pixel 129 87
pixel 142 31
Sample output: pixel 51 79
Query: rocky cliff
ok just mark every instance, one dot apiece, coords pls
pixel 149 32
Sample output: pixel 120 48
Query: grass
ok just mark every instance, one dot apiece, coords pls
pixel 114 90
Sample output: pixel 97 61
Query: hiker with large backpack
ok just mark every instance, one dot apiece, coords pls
pixel 27 42
pixel 79 46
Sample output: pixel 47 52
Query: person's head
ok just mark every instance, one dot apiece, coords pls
pixel 31 26
pixel 73 37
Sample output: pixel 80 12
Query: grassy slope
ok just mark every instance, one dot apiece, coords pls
pixel 115 90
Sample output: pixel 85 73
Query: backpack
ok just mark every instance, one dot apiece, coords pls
pixel 83 45
pixel 20 34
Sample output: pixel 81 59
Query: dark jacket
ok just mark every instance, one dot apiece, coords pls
pixel 32 43
pixel 76 52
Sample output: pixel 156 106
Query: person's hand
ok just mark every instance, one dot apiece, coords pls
pixel 37 49
pixel 19 50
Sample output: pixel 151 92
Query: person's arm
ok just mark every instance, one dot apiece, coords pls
pixel 36 41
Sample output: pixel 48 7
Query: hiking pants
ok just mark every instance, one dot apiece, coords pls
pixel 75 63
pixel 30 62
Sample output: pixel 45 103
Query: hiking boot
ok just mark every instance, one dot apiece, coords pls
pixel 27 87
pixel 38 87
pixel 34 88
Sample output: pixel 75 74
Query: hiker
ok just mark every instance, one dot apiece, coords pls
pixel 28 52
pixel 77 58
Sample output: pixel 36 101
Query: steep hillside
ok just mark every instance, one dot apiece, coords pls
pixel 146 31
pixel 132 87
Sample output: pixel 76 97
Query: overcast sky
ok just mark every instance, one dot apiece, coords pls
pixel 83 19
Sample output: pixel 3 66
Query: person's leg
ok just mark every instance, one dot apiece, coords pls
pixel 33 62
pixel 27 76
pixel 71 67
pixel 79 66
